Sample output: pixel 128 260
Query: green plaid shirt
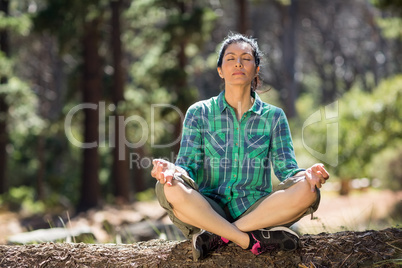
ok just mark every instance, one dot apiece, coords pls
pixel 231 160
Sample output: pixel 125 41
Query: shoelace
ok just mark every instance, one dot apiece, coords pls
pixel 257 248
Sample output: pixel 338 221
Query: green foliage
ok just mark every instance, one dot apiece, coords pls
pixel 368 123
pixel 23 101
pixel 66 18
pixel 20 24
pixel 169 36
pixel 6 65
pixel 394 6
pixel 24 125
pixel 386 166
pixel 22 199
pixel 147 195
pixel 164 45
pixel 391 25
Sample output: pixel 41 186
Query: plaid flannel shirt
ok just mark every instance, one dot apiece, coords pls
pixel 231 159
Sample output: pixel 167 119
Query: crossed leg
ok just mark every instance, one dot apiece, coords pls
pixel 280 207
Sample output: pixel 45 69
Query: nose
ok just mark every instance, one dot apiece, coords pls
pixel 238 63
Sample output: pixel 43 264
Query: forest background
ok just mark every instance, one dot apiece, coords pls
pixel 91 91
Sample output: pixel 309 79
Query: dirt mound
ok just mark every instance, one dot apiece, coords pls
pixel 344 249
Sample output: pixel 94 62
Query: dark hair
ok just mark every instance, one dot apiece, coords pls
pixel 233 38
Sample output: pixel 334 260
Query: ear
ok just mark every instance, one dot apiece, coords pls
pixel 257 70
pixel 219 69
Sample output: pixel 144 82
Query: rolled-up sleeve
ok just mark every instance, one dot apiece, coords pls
pixel 283 158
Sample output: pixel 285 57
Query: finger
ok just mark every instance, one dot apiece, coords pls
pixel 321 177
pixel 323 171
pixel 161 177
pixel 316 167
pixel 160 167
pixel 159 172
pixel 325 174
pixel 155 165
pixel 163 165
pixel 154 171
pixel 169 180
pixel 156 161
pixel 168 175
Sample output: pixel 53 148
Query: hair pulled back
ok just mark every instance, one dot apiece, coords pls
pixel 234 38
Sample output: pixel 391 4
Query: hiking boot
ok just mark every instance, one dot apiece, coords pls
pixel 281 238
pixel 204 243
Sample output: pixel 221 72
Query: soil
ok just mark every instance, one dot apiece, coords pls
pixel 343 249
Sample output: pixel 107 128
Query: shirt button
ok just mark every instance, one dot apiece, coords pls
pixel 237 144
pixel 234 176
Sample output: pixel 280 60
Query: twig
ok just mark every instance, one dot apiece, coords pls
pixel 345 259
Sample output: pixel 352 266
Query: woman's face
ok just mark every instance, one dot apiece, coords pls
pixel 238 65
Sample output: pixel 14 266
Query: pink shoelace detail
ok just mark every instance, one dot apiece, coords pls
pixel 225 240
pixel 255 248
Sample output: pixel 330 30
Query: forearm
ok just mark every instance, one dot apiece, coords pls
pixel 300 173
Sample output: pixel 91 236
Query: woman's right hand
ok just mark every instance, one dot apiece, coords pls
pixel 162 172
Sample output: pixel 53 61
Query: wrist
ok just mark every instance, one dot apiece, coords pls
pixel 181 170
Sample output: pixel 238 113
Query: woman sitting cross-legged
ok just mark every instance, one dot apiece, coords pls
pixel 220 188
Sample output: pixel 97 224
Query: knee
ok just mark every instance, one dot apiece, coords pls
pixel 177 193
pixel 304 197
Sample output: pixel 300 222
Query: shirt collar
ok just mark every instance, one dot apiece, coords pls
pixel 256 108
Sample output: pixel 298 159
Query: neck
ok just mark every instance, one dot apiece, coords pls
pixel 240 100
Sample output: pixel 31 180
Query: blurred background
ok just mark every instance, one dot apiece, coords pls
pixel 91 91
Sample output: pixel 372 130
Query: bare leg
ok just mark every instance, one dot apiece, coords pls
pixel 190 207
pixel 280 207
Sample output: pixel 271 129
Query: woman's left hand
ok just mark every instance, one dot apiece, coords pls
pixel 316 176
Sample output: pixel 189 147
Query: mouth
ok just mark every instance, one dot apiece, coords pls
pixel 238 73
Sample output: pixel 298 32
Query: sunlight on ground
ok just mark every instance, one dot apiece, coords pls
pixel 358 212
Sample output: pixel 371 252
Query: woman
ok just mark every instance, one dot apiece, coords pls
pixel 220 189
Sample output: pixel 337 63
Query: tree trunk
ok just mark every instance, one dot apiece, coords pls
pixel 120 169
pixel 288 39
pixel 3 142
pixel 342 249
pixel 243 24
pixel 91 88
pixel 5 48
